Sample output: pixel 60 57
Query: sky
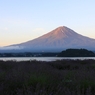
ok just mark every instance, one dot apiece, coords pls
pixel 23 20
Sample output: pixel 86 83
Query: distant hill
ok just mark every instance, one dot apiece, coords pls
pixel 76 53
pixel 57 40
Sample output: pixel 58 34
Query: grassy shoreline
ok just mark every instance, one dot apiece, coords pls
pixel 61 77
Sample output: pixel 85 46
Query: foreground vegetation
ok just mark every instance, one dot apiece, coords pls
pixel 65 77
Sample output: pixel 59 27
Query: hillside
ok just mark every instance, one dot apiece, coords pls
pixel 76 53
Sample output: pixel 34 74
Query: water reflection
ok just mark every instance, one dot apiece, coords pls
pixel 43 58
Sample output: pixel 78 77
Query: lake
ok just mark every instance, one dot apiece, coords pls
pixel 43 58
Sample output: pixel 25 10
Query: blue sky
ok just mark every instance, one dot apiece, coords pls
pixel 23 20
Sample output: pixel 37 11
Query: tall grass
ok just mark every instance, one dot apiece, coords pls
pixel 64 77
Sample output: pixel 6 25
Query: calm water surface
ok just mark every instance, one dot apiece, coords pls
pixel 43 58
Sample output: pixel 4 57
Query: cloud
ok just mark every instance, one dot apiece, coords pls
pixel 10 47
pixel 6 29
pixel 39 30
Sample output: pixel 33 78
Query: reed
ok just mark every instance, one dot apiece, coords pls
pixel 61 77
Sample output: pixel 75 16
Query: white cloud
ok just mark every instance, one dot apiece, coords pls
pixel 39 30
pixel 6 29
pixel 10 47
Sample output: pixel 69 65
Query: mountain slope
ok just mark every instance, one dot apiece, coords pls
pixel 57 40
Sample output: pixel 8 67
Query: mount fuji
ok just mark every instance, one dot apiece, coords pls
pixel 57 40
